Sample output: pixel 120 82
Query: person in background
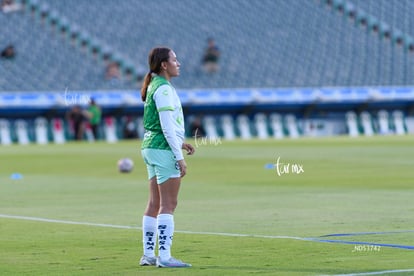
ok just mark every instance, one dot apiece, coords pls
pixel 130 129
pixel 94 116
pixel 161 150
pixel 8 6
pixel 8 52
pixel 77 118
pixel 196 128
pixel 113 73
pixel 211 57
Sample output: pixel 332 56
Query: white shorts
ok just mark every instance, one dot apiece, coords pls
pixel 160 163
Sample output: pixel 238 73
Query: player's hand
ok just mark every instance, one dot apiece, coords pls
pixel 188 148
pixel 183 167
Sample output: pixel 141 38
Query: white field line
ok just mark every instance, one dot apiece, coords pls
pixel 193 232
pixel 377 272
pixel 139 228
pixel 67 222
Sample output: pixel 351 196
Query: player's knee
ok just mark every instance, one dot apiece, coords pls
pixel 168 207
pixel 153 207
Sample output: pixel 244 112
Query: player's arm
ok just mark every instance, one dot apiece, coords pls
pixel 165 106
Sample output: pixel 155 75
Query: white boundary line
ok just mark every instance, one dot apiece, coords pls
pixel 68 222
pixel 377 272
pixel 139 228
pixel 193 232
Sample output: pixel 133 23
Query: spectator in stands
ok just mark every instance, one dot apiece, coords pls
pixel 94 115
pixel 113 73
pixel 211 57
pixel 77 118
pixel 8 52
pixel 130 129
pixel 196 128
pixel 8 6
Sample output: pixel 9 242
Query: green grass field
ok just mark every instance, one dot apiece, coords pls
pixel 234 217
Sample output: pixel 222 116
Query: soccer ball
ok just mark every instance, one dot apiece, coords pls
pixel 125 165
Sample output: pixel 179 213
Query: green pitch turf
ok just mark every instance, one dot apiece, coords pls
pixel 238 214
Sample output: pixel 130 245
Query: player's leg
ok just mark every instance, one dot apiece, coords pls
pixel 168 178
pixel 168 195
pixel 168 191
pixel 153 205
pixel 149 224
pixel 149 220
pixel 95 131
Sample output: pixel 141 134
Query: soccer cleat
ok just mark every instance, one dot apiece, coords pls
pixel 171 262
pixel 148 261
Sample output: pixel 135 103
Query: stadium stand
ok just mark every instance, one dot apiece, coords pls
pixel 43 61
pixel 290 52
pixel 274 44
pixel 395 13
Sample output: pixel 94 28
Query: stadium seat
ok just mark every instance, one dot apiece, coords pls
pixel 349 10
pixel 58 131
pixel 228 127
pixel 20 127
pixel 140 127
pixel 397 37
pixel 209 123
pixel 367 124
pixel 89 133
pixel 5 135
pixel 338 5
pixel 409 121
pixel 291 125
pixel 373 23
pixel 383 122
pixel 352 124
pixel 41 131
pixel 243 124
pixel 110 128
pixel 399 125
pixel 361 17
pixel 260 121
pixel 276 125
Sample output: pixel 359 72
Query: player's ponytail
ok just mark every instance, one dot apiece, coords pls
pixel 145 84
pixel 155 58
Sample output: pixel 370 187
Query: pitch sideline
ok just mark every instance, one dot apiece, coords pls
pixel 375 272
pixel 408 247
pixel 140 228
pixel 194 232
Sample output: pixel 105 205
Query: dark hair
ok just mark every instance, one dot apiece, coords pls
pixel 155 58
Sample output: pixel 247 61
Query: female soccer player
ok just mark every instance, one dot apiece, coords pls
pixel 162 152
